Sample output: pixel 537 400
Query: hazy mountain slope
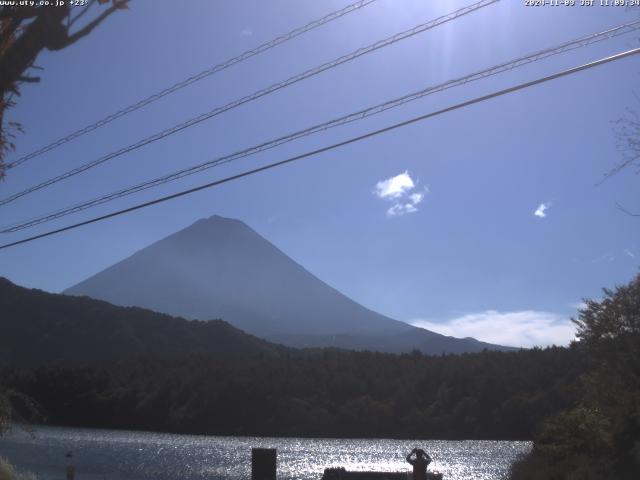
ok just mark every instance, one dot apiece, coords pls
pixel 221 268
pixel 38 327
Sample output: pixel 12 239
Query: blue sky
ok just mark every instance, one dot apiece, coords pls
pixel 463 254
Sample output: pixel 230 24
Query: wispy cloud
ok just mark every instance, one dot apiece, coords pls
pixel 541 211
pixel 606 257
pixel 246 32
pixel 629 253
pixel 526 328
pixel 401 209
pixel 401 191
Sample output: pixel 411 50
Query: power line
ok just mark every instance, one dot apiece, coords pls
pixel 254 96
pixel 395 126
pixel 370 111
pixel 193 79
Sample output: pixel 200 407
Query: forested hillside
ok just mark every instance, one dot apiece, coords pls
pixel 319 393
pixel 44 328
pixel 89 363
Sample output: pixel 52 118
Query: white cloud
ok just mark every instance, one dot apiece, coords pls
pixel 526 328
pixel 416 198
pixel 395 187
pixel 541 211
pixel 246 32
pixel 400 190
pixel 629 253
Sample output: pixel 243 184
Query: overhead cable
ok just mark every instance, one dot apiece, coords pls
pixel 254 96
pixel 355 116
pixel 193 79
pixel 395 126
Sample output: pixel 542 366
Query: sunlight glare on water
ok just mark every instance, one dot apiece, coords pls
pixel 123 455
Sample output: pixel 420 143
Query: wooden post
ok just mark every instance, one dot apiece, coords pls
pixel 263 463
pixel 71 472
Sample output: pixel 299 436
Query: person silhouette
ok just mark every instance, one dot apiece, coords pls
pixel 420 461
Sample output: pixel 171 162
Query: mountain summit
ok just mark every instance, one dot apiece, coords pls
pixel 221 268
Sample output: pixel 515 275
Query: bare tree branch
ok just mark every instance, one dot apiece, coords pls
pixel 84 10
pixel 624 210
pixel 27 79
pixel 87 29
pixel 627 131
pixel 24 32
pixel 21 13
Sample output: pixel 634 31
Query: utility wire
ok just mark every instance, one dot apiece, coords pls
pixel 194 78
pixel 395 126
pixel 359 115
pixel 256 95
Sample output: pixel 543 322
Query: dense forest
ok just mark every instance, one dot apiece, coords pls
pixel 599 438
pixel 579 404
pixel 319 393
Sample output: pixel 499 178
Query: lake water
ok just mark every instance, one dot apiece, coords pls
pixel 124 455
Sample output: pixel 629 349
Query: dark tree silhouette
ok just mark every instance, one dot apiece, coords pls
pixel 27 30
pixel 600 438
pixel 5 412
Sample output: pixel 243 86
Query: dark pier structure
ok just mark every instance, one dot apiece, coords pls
pixel 343 474
pixel 264 467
